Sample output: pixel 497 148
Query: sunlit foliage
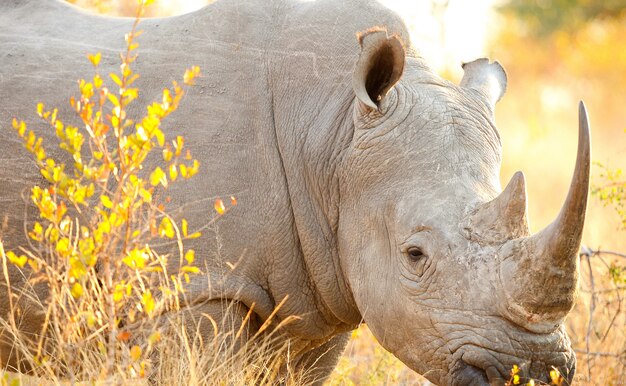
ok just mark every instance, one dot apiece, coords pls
pixel 99 218
pixel 543 17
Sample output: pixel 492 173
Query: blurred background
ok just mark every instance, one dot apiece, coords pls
pixel 556 52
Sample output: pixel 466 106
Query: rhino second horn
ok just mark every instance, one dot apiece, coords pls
pixel 504 217
pixel 540 273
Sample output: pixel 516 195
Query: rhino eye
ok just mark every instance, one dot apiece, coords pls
pixel 415 254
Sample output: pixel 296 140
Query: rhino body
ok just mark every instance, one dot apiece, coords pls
pixel 365 193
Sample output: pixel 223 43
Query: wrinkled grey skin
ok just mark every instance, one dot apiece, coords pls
pixel 338 174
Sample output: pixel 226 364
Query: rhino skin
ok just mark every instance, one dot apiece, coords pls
pixel 368 187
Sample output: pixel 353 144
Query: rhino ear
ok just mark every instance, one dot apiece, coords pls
pixel 488 78
pixel 379 67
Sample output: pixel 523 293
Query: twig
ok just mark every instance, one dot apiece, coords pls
pixel 606 290
pixel 586 251
pixel 619 303
pixel 599 354
pixel 592 307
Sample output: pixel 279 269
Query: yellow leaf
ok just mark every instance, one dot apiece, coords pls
pixel 141 133
pixel 192 170
pixel 190 75
pixel 40 109
pixel 116 79
pixel 77 290
pixel 146 195
pixel 17 260
pixel 148 302
pixel 33 265
pixel 63 246
pixel 106 201
pixel 159 136
pixel 91 320
pixel 166 229
pixel 167 154
pixel 555 377
pixel 158 177
pixel 95 59
pixel 37 232
pixel 178 145
pixel 113 99
pixel 131 94
pixel 173 172
pixel 190 269
pixel 135 353
pixel 185 227
pixel 97 81
pixel 190 256
pixel 155 337
pixel 167 98
pixel 219 206
pixel 136 259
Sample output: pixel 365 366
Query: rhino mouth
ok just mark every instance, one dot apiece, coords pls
pixel 480 366
pixel 469 375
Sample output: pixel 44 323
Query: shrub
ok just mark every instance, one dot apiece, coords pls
pixel 99 218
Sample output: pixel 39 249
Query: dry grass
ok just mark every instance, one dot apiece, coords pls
pixel 181 356
pixel 365 362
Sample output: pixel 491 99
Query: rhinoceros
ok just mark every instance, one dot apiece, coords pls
pixel 368 187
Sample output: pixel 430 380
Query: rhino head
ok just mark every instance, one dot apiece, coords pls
pixel 440 261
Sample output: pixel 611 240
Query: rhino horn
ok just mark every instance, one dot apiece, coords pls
pixel 540 272
pixel 504 217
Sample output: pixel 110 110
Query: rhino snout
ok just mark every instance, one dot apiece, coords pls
pixel 479 366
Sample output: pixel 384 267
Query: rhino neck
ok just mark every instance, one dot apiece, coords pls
pixel 310 60
pixel 312 132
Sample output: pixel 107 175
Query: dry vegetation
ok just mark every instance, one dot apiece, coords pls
pixel 537 121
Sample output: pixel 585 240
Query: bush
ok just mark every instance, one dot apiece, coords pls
pixel 98 221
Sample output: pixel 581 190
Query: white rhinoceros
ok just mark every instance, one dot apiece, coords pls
pixel 368 186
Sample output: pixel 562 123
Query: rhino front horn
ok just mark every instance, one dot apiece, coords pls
pixel 540 272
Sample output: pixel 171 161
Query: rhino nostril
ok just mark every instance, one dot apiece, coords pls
pixel 471 375
pixel 494 376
